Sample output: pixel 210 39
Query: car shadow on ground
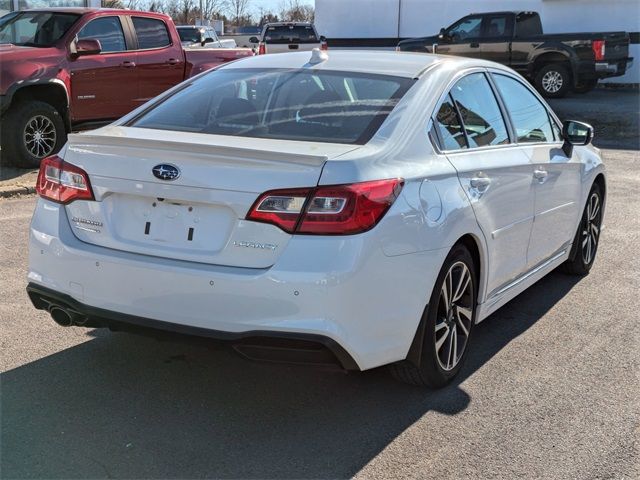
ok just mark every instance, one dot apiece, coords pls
pixel 125 406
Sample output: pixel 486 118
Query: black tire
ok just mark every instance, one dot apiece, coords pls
pixel 20 123
pixel 553 80
pixel 586 245
pixel 586 86
pixel 432 372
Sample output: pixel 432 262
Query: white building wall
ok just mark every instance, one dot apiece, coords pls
pixel 379 18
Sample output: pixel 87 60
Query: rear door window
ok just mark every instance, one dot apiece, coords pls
pixel 291 34
pixel 481 115
pixel 530 118
pixel 151 32
pixel 108 31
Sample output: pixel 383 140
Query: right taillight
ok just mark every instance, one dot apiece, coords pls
pixel 327 210
pixel 598 47
pixel 62 182
pixel 262 48
pixel 324 45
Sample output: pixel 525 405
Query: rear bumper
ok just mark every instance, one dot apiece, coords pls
pixel 296 348
pixel 343 289
pixel 613 68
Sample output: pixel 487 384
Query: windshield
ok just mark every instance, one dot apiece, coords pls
pixel 290 34
pixel 36 29
pixel 191 35
pixel 321 106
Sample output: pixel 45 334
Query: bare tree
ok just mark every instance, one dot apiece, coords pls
pixel 239 10
pixel 296 11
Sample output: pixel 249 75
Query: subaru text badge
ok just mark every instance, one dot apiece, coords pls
pixel 166 171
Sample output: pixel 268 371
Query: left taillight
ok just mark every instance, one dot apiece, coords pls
pixel 327 210
pixel 62 182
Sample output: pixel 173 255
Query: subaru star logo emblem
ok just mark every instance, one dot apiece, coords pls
pixel 165 171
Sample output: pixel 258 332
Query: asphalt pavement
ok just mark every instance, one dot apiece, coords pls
pixel 550 389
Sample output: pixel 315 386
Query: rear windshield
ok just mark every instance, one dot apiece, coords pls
pixel 192 35
pixel 319 106
pixel 291 34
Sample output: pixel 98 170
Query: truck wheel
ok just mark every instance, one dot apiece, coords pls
pixel 586 86
pixel 553 80
pixel 31 131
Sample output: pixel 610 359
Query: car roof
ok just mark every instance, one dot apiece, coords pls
pixel 281 24
pixel 401 64
pixel 85 10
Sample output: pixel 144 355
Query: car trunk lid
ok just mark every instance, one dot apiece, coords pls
pixel 198 215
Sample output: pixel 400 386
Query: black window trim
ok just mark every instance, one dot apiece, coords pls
pixel 123 27
pixel 135 34
pixel 550 115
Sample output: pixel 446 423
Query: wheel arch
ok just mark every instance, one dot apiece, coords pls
pixel 550 57
pixel 476 248
pixel 601 182
pixel 53 92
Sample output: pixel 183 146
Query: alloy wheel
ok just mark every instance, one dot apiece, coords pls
pixel 552 81
pixel 591 228
pixel 40 136
pixel 455 314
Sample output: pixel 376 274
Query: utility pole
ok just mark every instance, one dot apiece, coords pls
pixel 201 14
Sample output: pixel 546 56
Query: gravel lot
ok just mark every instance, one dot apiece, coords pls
pixel 550 389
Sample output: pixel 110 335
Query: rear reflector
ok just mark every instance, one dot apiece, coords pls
pixel 598 47
pixel 327 210
pixel 262 48
pixel 62 182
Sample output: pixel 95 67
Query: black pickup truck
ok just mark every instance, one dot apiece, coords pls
pixel 555 63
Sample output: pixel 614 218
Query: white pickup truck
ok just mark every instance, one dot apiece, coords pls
pixel 193 36
pixel 283 37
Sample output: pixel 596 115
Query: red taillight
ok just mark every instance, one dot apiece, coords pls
pixel 62 182
pixel 598 49
pixel 262 48
pixel 324 45
pixel 327 210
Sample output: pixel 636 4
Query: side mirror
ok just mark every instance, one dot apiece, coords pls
pixel 442 34
pixel 254 40
pixel 87 46
pixel 575 133
pixel 323 38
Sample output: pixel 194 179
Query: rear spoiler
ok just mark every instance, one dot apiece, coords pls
pixel 215 146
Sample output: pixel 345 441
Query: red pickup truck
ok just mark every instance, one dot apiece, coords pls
pixel 63 69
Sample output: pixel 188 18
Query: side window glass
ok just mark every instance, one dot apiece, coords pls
pixel 496 27
pixel 106 29
pixel 151 33
pixel 449 127
pixel 480 112
pixel 530 118
pixel 466 28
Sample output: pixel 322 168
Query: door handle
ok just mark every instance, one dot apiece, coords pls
pixel 128 64
pixel 173 61
pixel 474 45
pixel 480 183
pixel 540 174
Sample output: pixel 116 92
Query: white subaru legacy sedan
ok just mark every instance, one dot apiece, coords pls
pixel 356 208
